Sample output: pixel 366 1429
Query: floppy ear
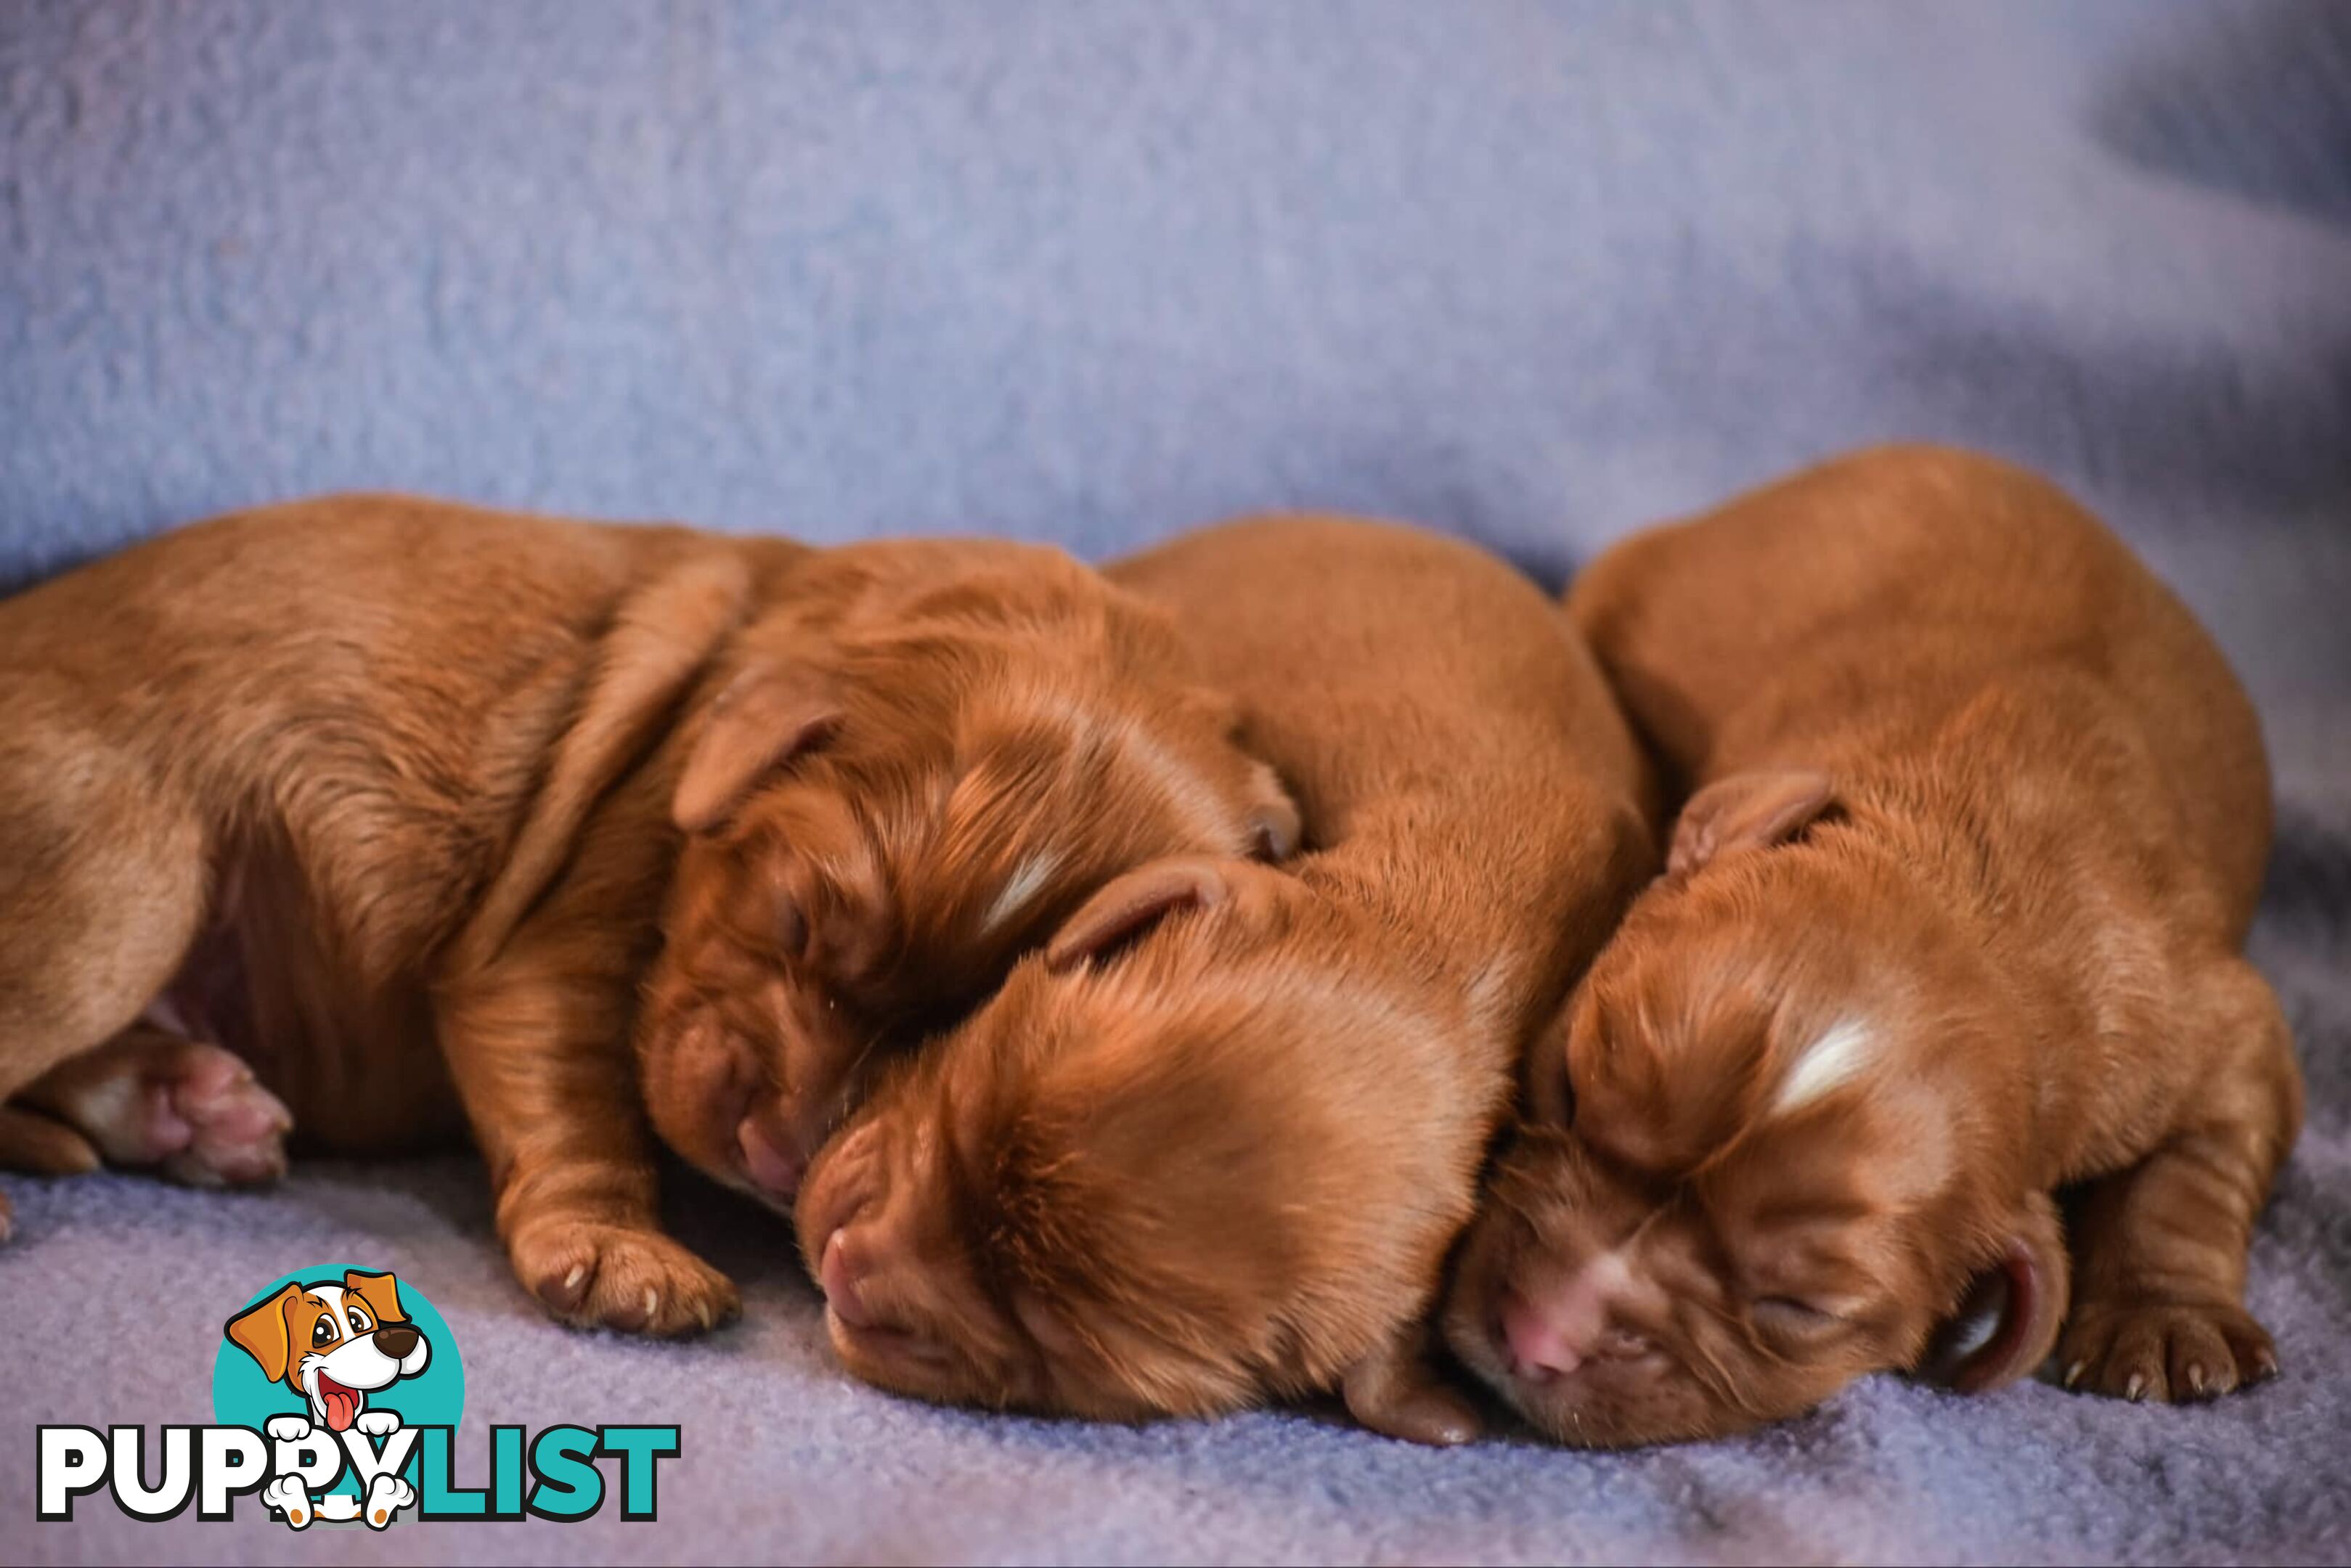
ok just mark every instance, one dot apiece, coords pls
pixel 2024 1294
pixel 259 1330
pixel 1748 811
pixel 379 1292
pixel 1125 907
pixel 766 716
pixel 1274 825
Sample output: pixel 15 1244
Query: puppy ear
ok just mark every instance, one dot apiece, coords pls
pixel 2022 1296
pixel 766 716
pixel 1274 826
pixel 259 1330
pixel 379 1292
pixel 1748 811
pixel 1138 900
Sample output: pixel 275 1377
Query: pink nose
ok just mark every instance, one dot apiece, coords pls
pixel 771 1158
pixel 1543 1345
pixel 838 1272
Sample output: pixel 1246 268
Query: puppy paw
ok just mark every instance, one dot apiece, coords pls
pixel 378 1423
pixel 1399 1394
pixel 387 1495
pixel 43 1145
pixel 285 1495
pixel 289 1428
pixel 609 1276
pixel 235 1128
pixel 147 1098
pixel 2174 1350
pixel 1434 1417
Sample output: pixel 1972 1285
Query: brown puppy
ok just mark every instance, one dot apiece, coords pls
pixel 981 734
pixel 1211 1147
pixel 321 783
pixel 1952 920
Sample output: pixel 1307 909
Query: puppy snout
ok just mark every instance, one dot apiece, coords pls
pixel 841 1273
pixel 775 1152
pixel 397 1340
pixel 1541 1346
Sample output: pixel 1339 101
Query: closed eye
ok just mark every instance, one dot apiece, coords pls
pixel 1794 1318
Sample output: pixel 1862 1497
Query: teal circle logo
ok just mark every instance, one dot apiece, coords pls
pixel 337 1345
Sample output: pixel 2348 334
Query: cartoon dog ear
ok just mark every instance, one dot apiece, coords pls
pixel 766 716
pixel 1748 811
pixel 379 1292
pixel 259 1330
pixel 2022 1296
pixel 1274 826
pixel 1126 908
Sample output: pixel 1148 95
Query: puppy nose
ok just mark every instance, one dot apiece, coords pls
pixel 772 1156
pixel 397 1340
pixel 1541 1346
pixel 839 1273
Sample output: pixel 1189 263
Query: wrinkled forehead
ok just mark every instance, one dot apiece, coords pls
pixel 1786 1085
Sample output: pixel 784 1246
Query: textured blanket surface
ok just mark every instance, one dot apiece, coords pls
pixel 1538 274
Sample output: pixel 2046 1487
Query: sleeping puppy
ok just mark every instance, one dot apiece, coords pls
pixel 1953 920
pixel 289 798
pixel 1211 1147
pixel 979 736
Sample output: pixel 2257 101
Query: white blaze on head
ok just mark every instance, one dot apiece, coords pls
pixel 1190 797
pixel 1028 879
pixel 1837 1056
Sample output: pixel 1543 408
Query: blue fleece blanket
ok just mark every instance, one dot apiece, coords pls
pixel 1091 273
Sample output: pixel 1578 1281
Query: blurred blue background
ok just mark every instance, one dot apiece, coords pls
pixel 1092 273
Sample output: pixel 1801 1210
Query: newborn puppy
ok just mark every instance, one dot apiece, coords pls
pixel 1212 1145
pixel 1953 920
pixel 978 735
pixel 307 791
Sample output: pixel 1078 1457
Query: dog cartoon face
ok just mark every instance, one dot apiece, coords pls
pixel 332 1343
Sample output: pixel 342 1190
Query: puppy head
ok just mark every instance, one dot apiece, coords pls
pixel 902 791
pixel 1193 1155
pixel 1776 1142
pixel 332 1343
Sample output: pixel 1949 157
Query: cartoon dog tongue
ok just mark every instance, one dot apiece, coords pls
pixel 342 1404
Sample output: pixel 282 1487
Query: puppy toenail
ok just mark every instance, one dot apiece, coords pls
pixel 2073 1372
pixel 2136 1389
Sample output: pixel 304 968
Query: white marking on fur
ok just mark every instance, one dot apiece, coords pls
pixel 1194 799
pixel 1605 1278
pixel 1837 1056
pixel 1026 880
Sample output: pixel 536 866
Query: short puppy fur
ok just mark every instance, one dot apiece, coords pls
pixel 1212 1145
pixel 308 790
pixel 1952 921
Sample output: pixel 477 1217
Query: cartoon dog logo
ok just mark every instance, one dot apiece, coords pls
pixel 334 1344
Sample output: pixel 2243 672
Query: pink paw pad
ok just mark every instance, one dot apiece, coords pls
pixel 226 1127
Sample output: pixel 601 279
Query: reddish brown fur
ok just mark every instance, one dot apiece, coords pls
pixel 333 780
pixel 985 707
pixel 1211 1147
pixel 1980 802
